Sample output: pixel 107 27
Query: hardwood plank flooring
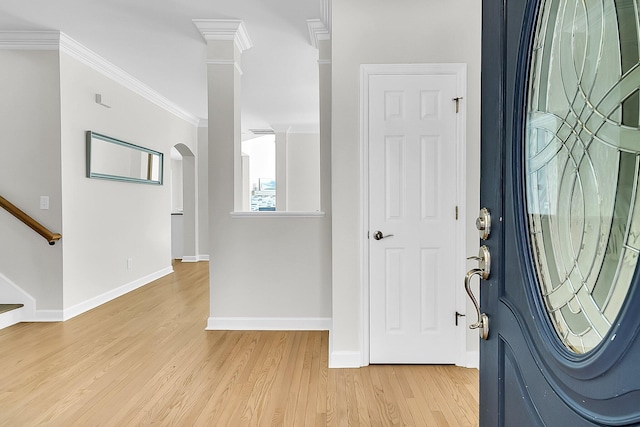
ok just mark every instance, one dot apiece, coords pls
pixel 146 359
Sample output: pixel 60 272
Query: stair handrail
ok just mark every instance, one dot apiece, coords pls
pixel 51 237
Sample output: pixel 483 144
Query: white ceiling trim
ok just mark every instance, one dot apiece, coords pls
pixel 29 40
pixel 317 31
pixel 225 29
pixel 56 40
pixel 93 60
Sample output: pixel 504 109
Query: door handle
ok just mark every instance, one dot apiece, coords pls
pixel 482 325
pixel 484 261
pixel 379 236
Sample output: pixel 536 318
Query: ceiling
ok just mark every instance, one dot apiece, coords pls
pixel 156 42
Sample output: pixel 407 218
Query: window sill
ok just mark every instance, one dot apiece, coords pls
pixel 277 214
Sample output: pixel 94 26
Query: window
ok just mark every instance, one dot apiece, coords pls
pixel 259 174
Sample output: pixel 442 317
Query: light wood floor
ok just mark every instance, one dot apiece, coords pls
pixel 146 359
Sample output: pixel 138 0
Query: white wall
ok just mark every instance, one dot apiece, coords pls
pixel 107 222
pixel 177 202
pixel 384 32
pixel 30 168
pixel 270 268
pixel 303 172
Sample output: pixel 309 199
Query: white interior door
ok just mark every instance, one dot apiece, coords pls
pixel 412 203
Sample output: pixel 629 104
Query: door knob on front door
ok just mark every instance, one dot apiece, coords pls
pixel 379 236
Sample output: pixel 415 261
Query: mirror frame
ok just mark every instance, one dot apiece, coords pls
pixel 90 136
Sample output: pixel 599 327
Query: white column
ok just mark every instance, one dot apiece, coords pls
pixel 324 62
pixel 319 31
pixel 226 40
pixel 321 39
pixel 282 135
pixel 203 190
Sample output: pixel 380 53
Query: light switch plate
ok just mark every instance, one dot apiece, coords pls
pixel 44 202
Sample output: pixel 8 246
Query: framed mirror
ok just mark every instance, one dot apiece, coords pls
pixel 113 159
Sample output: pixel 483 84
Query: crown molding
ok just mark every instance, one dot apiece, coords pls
pixel 317 31
pixel 95 61
pixel 29 40
pixel 224 29
pixel 56 40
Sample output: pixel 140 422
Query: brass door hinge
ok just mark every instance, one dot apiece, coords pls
pixel 457 100
pixel 458 316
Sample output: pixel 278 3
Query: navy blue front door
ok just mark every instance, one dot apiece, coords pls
pixel 560 167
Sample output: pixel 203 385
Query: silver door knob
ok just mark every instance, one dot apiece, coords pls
pixel 379 236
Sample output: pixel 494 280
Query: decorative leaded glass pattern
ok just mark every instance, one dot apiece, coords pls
pixel 582 146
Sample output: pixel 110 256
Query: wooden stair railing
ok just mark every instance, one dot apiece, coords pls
pixel 51 237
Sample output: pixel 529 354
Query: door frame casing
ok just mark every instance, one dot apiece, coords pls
pixel 460 71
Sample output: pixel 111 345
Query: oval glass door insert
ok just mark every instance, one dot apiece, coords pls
pixel 581 153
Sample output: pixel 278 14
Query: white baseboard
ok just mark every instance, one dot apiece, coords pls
pixel 268 324
pixel 46 316
pixel 27 315
pixel 345 359
pixel 196 258
pixel 113 294
pixel 12 317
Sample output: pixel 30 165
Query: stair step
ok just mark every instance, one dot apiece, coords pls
pixel 8 307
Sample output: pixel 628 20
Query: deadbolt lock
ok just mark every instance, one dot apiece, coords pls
pixel 483 223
